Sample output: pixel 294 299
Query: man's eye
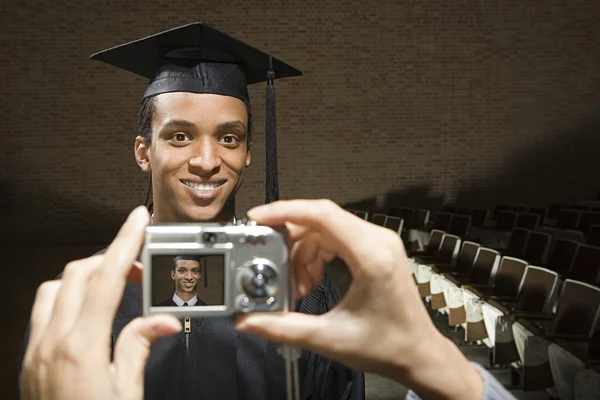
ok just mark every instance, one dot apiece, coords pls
pixel 230 139
pixel 180 137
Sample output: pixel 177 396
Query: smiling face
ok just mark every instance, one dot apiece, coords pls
pixel 197 156
pixel 186 275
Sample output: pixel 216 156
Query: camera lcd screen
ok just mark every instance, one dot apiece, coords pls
pixel 188 280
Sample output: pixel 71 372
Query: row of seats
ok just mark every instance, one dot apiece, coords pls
pixel 533 300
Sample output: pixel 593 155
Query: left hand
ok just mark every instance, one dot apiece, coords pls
pixel 68 354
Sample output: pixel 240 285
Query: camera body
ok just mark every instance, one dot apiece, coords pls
pixel 254 276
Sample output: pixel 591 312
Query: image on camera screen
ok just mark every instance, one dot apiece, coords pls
pixel 188 280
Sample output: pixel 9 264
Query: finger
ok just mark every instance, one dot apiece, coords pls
pixel 41 314
pixel 296 232
pixel 315 271
pixel 304 252
pixel 135 273
pixel 106 288
pixel 340 230
pixel 69 301
pixel 337 225
pixel 133 346
pixel 316 333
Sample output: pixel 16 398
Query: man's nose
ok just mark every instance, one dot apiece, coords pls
pixel 206 159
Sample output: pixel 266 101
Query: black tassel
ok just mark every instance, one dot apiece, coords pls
pixel 272 182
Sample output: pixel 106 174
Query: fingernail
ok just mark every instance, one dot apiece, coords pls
pixel 258 211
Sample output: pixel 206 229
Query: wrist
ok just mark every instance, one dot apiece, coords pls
pixel 437 369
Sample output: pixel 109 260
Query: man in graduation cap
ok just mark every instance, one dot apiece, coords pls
pixel 185 273
pixel 194 141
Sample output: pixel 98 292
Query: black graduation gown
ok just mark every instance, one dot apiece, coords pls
pixel 217 362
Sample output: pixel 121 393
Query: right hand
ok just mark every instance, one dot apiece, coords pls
pixel 381 325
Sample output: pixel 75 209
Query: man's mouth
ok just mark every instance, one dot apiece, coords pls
pixel 188 284
pixel 203 187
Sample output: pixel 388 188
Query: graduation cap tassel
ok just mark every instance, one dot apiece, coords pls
pixel 272 183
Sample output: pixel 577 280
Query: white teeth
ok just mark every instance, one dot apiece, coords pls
pixel 202 187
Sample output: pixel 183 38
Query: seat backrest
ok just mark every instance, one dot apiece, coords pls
pixel 577 311
pixel 362 214
pixel 541 211
pixel 537 290
pixel 579 207
pixel 435 241
pixel 463 211
pixel 408 214
pixel 553 210
pixel 449 209
pixel 379 219
pixel 586 264
pixel 518 241
pixel 486 262
pixel 537 248
pixel 466 257
pixel 505 220
pixel 460 225
pixel 509 277
pixel 562 255
pixel 394 223
pixel 518 209
pixel 449 249
pixel 593 237
pixel 420 219
pixel 498 208
pixel 479 217
pixel 442 221
pixel 529 221
pixel 394 211
pixel 587 220
pixel 568 219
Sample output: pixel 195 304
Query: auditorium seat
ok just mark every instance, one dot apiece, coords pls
pixel 575 319
pixel 394 223
pixel 535 299
pixel 537 250
pixel 542 212
pixel 568 219
pixel 463 265
pixel 460 225
pixel 527 220
pixel 485 264
pixel 586 265
pixel 593 237
pixel 562 255
pixel 506 220
pixel 379 219
pixel 504 286
pixel 568 359
pixel 447 254
pixel 442 221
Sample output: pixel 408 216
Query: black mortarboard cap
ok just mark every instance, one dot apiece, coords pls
pixel 200 59
pixel 192 257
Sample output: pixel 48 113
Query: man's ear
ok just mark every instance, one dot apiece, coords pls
pixel 141 151
pixel 248 158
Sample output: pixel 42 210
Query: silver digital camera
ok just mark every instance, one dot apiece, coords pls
pixel 215 270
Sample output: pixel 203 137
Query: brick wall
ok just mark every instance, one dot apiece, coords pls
pixel 417 102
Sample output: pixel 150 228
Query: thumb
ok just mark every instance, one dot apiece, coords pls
pixel 133 346
pixel 315 333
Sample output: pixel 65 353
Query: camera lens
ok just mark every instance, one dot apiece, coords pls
pixel 260 281
pixel 209 237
